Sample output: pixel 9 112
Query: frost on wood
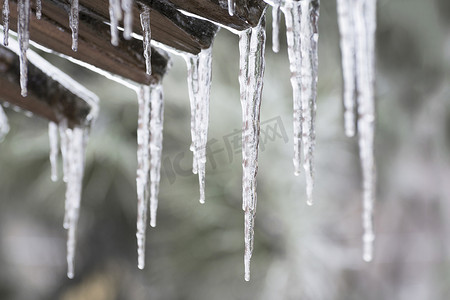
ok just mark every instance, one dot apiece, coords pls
pixel 23 35
pixel 4 126
pixel 357 25
pixel 5 16
pixel 115 15
pixel 302 37
pixel 199 84
pixel 53 141
pixel 38 9
pixel 150 137
pixel 146 37
pixel 73 144
pixel 74 20
pixel 251 62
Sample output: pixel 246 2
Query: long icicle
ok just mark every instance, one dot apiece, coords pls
pixel 365 24
pixel 74 20
pixel 147 37
pixel 5 16
pixel 252 48
pixel 143 170
pixel 192 62
pixel 115 15
pixel 156 144
pixel 346 24
pixel 53 141
pixel 23 22
pixel 127 6
pixel 302 36
pixel 74 156
pixel 4 126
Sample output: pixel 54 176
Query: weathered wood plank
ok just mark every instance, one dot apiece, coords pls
pixel 53 32
pixel 46 97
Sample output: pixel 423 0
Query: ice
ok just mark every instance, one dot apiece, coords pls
pixel 38 9
pixel 5 16
pixel 4 126
pixel 115 15
pixel 199 84
pixel 156 143
pixel 231 7
pixel 251 48
pixel 365 25
pixel 147 37
pixel 143 170
pixel 53 141
pixel 127 6
pixel 73 144
pixel 302 37
pixel 74 22
pixel 276 28
pixel 23 35
pixel 346 23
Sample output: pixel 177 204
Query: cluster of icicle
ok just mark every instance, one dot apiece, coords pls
pixel 357 26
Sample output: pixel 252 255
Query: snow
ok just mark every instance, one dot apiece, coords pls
pixel 4 126
pixel 251 48
pixel 74 20
pixel 53 141
pixel 302 37
pixel 147 37
pixel 5 16
pixel 23 7
pixel 199 84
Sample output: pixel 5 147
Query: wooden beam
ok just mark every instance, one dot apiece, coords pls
pixel 94 46
pixel 247 12
pixel 47 97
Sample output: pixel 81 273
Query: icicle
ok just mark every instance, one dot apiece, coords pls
pixel 74 22
pixel 231 7
pixel 4 126
pixel 23 21
pixel 73 156
pixel 127 6
pixel 251 47
pixel 147 37
pixel 365 25
pixel 115 15
pixel 53 139
pixel 302 36
pixel 199 83
pixel 156 139
pixel 276 28
pixel 143 170
pixel 38 9
pixel 347 30
pixel 5 16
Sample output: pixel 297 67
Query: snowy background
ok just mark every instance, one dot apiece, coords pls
pixel 196 251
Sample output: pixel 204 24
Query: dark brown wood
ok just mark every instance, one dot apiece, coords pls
pixel 247 12
pixel 94 46
pixel 46 98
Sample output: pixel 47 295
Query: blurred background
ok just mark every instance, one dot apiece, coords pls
pixel 196 251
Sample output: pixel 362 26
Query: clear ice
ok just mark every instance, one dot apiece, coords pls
pixel 74 20
pixel 115 15
pixel 251 62
pixel 5 16
pixel 4 126
pixel 53 141
pixel 199 84
pixel 302 37
pixel 23 35
pixel 147 37
pixel 38 9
